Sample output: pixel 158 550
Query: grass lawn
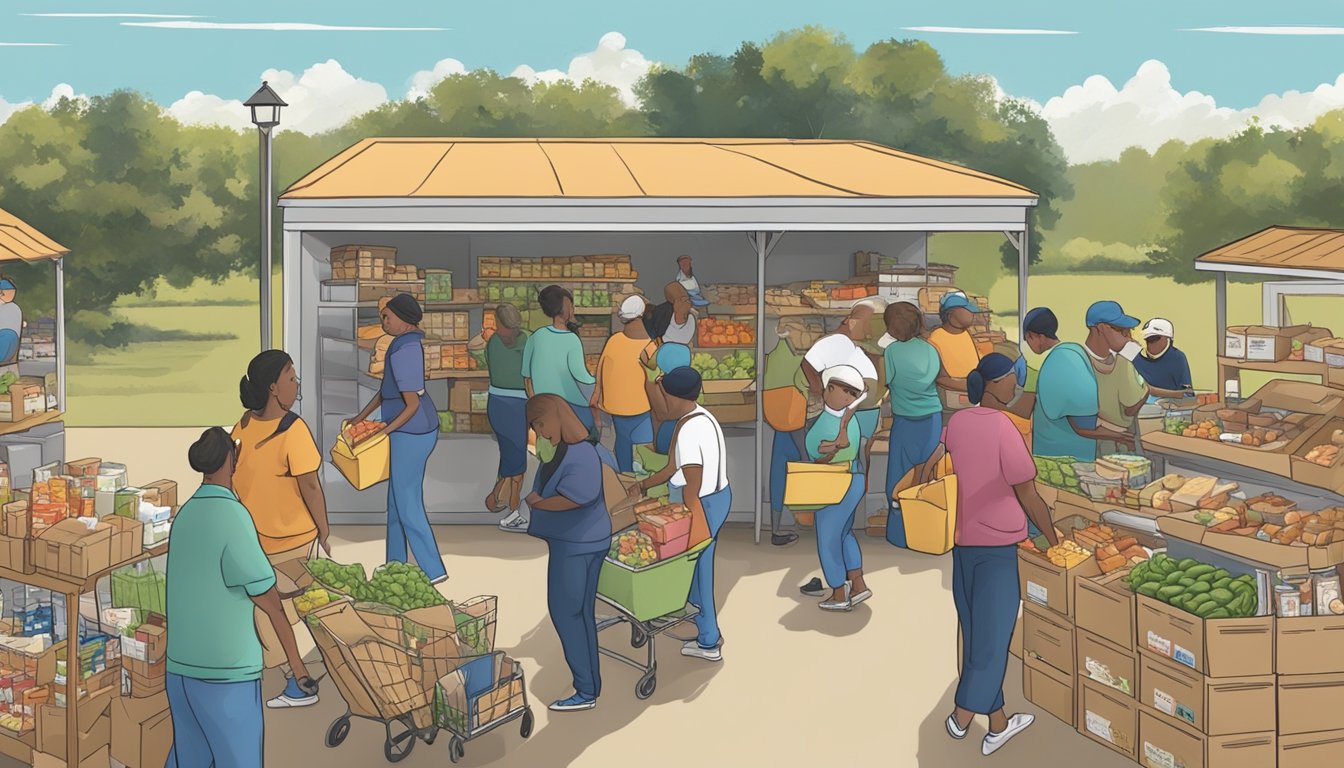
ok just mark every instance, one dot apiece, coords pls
pixel 186 382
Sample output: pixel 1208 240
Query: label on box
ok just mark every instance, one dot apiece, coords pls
pixel 1156 757
pixel 1037 593
pixel 1099 727
pixel 1164 703
pixel 1159 644
pixel 1185 713
pixel 1184 656
pixel 133 649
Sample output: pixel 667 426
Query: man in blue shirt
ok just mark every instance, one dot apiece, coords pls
pixel 1163 366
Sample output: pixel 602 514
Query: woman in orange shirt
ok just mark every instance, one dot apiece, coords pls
pixel 277 480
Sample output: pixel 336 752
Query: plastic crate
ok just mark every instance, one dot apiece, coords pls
pixel 648 593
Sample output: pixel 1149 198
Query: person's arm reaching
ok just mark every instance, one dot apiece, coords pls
pixel 1037 511
pixel 376 401
pixel 1101 433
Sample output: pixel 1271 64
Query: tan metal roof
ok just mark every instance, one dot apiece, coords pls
pixel 20 242
pixel 634 168
pixel 1283 248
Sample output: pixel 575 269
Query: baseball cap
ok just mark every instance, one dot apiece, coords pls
pixel 632 308
pixel 843 374
pixel 1109 313
pixel 954 300
pixel 1158 327
pixel 1041 320
pixel 6 284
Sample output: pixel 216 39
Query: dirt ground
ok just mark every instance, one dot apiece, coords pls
pixel 797 686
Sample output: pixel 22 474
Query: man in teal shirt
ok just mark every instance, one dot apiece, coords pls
pixel 553 358
pixel 217 575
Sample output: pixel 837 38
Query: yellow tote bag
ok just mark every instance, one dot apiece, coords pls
pixel 815 485
pixel 911 478
pixel 929 512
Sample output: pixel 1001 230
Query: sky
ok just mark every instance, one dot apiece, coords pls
pixel 1104 74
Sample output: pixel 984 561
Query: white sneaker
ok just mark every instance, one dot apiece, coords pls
pixel 514 523
pixel 954 730
pixel 831 604
pixel 692 649
pixel 860 597
pixel 1016 724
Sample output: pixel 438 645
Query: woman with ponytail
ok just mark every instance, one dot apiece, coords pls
pixel 277 480
pixel 996 495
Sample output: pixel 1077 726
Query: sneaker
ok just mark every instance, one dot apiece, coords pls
pixel 831 604
pixel 783 539
pixel 293 697
pixel 1016 724
pixel 575 703
pixel 514 523
pixel 954 730
pixel 438 581
pixel 693 649
pixel 814 588
pixel 860 597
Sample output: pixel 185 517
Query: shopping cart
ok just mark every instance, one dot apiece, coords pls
pixel 652 600
pixel 389 666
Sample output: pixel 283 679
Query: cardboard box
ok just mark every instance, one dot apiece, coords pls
pixel 1048 638
pixel 459 397
pixel 1269 344
pixel 99 759
pixel 128 538
pixel 1234 344
pixel 154 636
pixel 142 679
pixel 1304 339
pixel 1104 606
pixel 1165 743
pixel 728 392
pixel 27 397
pixel 95 726
pixel 71 548
pixel 1045 584
pixel 1215 647
pixel 1108 717
pixel 1310 703
pixel 1312 750
pixel 13 554
pixel 1112 666
pixel 1216 706
pixel 1309 645
pixel 1182 525
pixel 142 731
pixel 162 493
pixel 1314 351
pixel 83 467
pixel 18 520
pixel 1049 689
pixel 1310 473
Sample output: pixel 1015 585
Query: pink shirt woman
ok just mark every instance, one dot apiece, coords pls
pixel 990 458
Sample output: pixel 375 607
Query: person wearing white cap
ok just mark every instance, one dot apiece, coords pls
pixel 837 547
pixel 621 378
pixel 1163 367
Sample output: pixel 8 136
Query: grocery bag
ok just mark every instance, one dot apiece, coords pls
pixel 785 408
pixel 815 485
pixel 929 514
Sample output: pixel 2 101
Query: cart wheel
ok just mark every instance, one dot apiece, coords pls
pixel 340 728
pixel 399 745
pixel 526 728
pixel 644 689
pixel 637 637
pixel 456 749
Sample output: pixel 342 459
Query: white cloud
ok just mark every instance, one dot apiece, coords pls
pixel 988 31
pixel 425 80
pixel 1272 30
pixel 324 97
pixel 62 91
pixel 1097 121
pixel 8 108
pixel 272 26
pixel 611 63
pixel 31 45
pixel 112 16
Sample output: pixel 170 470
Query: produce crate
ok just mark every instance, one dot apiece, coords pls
pixel 374 290
pixel 446 326
pixel 438 285
pixel 650 592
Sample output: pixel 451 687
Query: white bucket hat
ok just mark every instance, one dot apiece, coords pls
pixel 632 308
pixel 844 374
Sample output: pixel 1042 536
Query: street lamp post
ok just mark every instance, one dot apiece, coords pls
pixel 265 105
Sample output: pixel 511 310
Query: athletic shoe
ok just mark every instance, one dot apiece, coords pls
pixel 1016 724
pixel 860 597
pixel 831 604
pixel 783 539
pixel 514 523
pixel 692 649
pixel 954 730
pixel 575 703
pixel 439 580
pixel 814 588
pixel 294 697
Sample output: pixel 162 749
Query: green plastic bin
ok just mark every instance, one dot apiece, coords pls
pixel 648 593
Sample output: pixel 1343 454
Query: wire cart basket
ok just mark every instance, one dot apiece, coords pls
pixel 652 600
pixel 389 668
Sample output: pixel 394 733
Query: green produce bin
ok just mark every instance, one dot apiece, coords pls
pixel 648 593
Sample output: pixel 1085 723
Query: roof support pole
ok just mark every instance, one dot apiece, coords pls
pixel 60 334
pixel 1019 242
pixel 1220 310
pixel 764 243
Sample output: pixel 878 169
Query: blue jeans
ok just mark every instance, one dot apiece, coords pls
pixel 631 431
pixel 911 443
pixel 585 414
pixel 215 724
pixel 406 517
pixel 837 547
pixel 702 582
pixel 508 420
pixel 786 448
pixel 571 597
pixel 987 596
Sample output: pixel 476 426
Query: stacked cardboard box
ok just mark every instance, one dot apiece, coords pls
pixel 1106 662
pixel 446 326
pixel 362 262
pixel 27 397
pixel 1310 691
pixel 557 268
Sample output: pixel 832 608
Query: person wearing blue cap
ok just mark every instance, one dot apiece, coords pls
pixel 1120 392
pixel 11 321
pixel 1064 413
pixel 996 499
pixel 954 342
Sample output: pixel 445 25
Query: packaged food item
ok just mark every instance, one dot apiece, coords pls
pixel 1326 583
pixel 1287 599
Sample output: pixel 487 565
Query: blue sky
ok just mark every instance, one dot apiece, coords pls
pixel 99 54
